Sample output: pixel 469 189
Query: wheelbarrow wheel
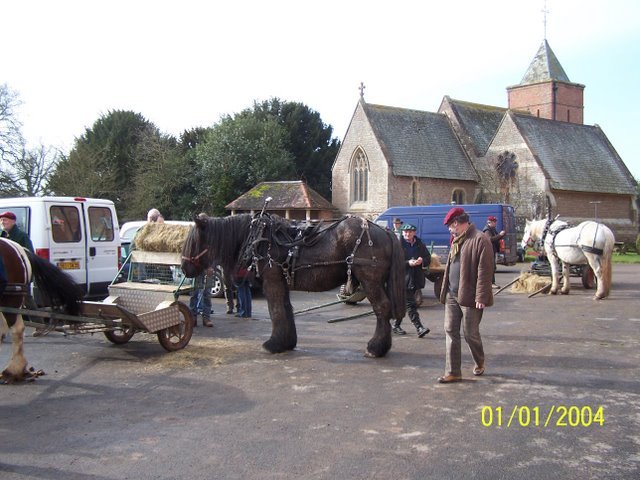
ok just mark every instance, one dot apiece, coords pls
pixel 177 337
pixel 120 336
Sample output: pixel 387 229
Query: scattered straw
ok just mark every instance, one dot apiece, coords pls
pixel 201 352
pixel 529 283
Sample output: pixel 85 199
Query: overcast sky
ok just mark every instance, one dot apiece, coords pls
pixel 184 63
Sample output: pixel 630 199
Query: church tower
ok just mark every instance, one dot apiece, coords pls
pixel 546 92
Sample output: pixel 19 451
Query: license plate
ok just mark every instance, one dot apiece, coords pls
pixel 69 265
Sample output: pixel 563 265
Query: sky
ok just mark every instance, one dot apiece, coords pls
pixel 185 63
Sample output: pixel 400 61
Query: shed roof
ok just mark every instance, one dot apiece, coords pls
pixel 289 195
pixel 418 143
pixel 575 157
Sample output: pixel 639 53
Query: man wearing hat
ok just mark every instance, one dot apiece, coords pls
pixel 492 232
pixel 415 254
pixel 11 231
pixel 466 291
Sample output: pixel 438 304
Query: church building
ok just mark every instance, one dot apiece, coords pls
pixel 536 155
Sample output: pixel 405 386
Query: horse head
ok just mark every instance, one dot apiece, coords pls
pixel 196 255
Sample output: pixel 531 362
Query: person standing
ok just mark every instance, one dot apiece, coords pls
pixel 11 231
pixel 492 232
pixel 397 227
pixel 466 292
pixel 201 298
pixel 415 254
pixel 243 290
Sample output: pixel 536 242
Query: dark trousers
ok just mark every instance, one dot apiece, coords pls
pixel 412 309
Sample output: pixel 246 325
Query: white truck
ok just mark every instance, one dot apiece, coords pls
pixel 79 235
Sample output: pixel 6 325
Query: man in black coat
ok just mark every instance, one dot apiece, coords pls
pixel 415 255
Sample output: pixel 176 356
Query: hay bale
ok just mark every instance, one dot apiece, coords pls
pixel 529 283
pixel 161 237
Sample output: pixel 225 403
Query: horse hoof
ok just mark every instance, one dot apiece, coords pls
pixel 368 354
pixel 564 293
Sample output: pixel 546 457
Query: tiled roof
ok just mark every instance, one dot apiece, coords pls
pixel 544 67
pixel 420 144
pixel 291 195
pixel 479 121
pixel 575 157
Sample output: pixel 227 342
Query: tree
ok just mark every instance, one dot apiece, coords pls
pixel 308 139
pixel 104 160
pixel 29 173
pixel 236 154
pixel 23 172
pixel 11 141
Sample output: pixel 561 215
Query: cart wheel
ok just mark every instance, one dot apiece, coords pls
pixel 120 336
pixel 177 337
pixel 588 278
pixel 437 285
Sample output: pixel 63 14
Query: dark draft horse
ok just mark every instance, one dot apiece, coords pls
pixel 299 256
pixel 58 289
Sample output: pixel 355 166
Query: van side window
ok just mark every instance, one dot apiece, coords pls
pixel 65 224
pixel 101 224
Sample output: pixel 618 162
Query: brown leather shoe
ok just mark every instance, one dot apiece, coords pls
pixel 479 370
pixel 207 323
pixel 449 379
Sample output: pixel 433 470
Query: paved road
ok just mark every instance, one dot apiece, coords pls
pixel 225 409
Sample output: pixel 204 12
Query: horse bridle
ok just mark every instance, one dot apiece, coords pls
pixel 195 260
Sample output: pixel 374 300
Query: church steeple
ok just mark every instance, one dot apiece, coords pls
pixel 546 91
pixel 544 67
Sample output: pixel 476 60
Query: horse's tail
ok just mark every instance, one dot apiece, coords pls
pixel 58 287
pixel 395 281
pixel 607 254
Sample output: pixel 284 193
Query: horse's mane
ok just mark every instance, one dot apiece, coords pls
pixel 227 234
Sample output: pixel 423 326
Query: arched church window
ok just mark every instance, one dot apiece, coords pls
pixel 359 176
pixel 457 196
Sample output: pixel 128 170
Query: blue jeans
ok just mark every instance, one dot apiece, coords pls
pixel 201 296
pixel 244 298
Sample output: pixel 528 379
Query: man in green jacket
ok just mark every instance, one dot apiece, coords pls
pixel 11 231
pixel 466 291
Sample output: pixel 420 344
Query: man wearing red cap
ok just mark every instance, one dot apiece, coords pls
pixel 492 232
pixel 11 231
pixel 466 291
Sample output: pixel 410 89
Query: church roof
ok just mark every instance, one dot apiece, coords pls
pixel 419 144
pixel 479 122
pixel 544 67
pixel 575 157
pixel 286 195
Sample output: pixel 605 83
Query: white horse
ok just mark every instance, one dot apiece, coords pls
pixel 590 242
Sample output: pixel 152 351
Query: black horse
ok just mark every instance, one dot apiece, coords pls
pixel 288 256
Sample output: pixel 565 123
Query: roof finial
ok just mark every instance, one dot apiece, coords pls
pixel 361 88
pixel 544 18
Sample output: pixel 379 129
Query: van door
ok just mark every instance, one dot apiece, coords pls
pixel 67 242
pixel 102 247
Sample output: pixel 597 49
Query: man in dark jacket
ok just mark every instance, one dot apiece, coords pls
pixel 492 232
pixel 415 254
pixel 466 291
pixel 11 231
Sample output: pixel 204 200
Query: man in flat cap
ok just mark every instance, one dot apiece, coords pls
pixel 11 231
pixel 466 291
pixel 397 227
pixel 415 254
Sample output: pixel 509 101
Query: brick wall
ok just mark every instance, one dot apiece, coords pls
pixel 538 100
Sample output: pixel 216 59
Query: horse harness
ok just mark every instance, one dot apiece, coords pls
pixel 585 248
pixel 265 232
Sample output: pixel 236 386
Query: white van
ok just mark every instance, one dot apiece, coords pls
pixel 79 235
